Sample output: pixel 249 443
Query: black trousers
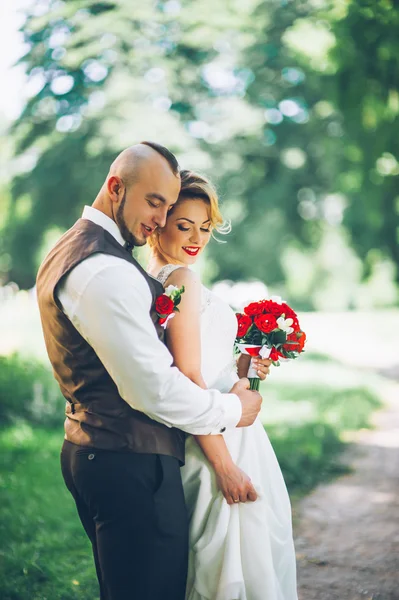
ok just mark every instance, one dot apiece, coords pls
pixel 132 508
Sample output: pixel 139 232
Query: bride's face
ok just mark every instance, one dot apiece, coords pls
pixel 187 231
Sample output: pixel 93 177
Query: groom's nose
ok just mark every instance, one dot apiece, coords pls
pixel 160 217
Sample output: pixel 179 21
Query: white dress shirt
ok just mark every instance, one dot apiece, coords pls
pixel 108 301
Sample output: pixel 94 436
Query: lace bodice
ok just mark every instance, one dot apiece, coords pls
pixel 218 331
pixel 165 272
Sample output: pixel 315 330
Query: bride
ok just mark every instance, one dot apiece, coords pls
pixel 239 549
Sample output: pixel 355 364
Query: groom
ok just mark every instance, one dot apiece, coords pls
pixel 127 406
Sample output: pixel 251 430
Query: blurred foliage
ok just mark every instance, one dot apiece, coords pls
pixel 28 392
pixel 291 107
pixel 366 91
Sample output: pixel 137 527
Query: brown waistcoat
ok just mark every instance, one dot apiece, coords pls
pixel 96 415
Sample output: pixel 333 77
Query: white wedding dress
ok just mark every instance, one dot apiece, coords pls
pixel 242 551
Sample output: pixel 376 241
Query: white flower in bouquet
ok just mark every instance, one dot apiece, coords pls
pixel 285 325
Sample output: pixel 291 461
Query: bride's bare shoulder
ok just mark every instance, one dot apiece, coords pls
pixel 184 276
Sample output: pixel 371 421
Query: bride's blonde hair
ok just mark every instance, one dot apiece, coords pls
pixel 194 187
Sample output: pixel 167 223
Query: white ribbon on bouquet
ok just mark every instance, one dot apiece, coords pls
pixel 250 350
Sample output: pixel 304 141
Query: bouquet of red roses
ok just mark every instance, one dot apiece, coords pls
pixel 269 329
pixel 166 304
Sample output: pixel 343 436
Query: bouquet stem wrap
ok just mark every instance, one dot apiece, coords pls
pixel 254 351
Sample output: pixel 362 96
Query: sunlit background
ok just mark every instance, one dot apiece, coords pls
pixel 292 109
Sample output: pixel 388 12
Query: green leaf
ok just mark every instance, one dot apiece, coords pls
pixel 278 337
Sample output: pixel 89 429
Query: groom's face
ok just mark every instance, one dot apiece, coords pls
pixel 147 200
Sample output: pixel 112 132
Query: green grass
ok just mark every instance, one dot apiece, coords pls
pixel 45 554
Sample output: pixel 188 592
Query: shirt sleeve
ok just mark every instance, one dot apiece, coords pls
pixel 110 307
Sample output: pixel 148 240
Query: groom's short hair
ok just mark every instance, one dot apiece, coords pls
pixel 171 158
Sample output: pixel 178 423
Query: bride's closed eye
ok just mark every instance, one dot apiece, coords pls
pixel 182 228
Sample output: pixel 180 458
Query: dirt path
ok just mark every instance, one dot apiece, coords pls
pixel 347 533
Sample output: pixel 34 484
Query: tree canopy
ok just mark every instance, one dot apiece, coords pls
pixel 291 107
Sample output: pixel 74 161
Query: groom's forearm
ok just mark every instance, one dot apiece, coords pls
pixel 215 449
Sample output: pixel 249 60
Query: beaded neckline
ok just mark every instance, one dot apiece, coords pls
pixel 165 272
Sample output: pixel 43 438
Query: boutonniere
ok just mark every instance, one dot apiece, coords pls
pixel 166 304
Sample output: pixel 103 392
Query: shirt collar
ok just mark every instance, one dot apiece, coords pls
pixel 99 218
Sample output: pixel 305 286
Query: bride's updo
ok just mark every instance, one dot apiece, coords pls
pixel 195 187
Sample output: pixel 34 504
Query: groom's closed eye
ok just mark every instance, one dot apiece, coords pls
pixel 153 204
pixel 155 200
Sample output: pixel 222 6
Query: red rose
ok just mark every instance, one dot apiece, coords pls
pixel 292 338
pixel 273 308
pixel 266 323
pixel 295 325
pixel 244 323
pixel 274 355
pixel 289 313
pixel 299 339
pixel 164 305
pixel 254 309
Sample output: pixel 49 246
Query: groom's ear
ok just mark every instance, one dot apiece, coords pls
pixel 115 188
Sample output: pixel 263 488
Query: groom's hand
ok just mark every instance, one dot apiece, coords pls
pixel 251 402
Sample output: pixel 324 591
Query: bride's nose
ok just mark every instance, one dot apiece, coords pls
pixel 194 237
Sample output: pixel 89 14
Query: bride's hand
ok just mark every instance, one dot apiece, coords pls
pixel 235 485
pixel 262 366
